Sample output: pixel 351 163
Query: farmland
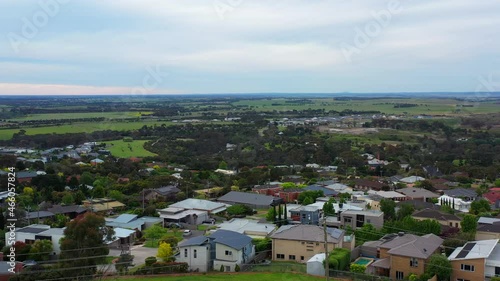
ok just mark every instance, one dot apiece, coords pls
pixel 122 149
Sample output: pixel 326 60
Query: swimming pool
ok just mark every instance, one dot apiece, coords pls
pixel 363 261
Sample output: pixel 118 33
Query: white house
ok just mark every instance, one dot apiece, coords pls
pixel 315 265
pixel 196 253
pixel 231 249
pixel 31 233
pixel 455 203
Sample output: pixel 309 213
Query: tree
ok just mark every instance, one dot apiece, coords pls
pixel 328 208
pixel 115 194
pixel 223 165
pixel 469 223
pixel 84 238
pixel 440 266
pixel 238 209
pixel 40 250
pixel 405 210
pixel 155 232
pixel 98 192
pixel 271 215
pixel 480 206
pixel 388 207
pixel 68 199
pixel 165 252
pixel 307 201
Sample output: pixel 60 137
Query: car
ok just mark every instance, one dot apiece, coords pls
pixel 187 232
pixel 27 263
pixel 174 225
pixel 209 221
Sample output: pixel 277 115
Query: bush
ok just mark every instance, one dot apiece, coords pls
pixel 262 244
pixel 237 268
pixel 150 261
pixel 339 258
pixel 238 210
pixel 357 268
pixel 163 267
pixel 221 268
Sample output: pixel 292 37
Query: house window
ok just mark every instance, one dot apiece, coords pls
pixel 280 256
pixel 185 253
pixel 301 258
pixel 347 220
pixel 195 254
pixel 228 268
pixel 467 267
pixel 291 257
pixel 399 275
pixel 413 262
pixel 456 224
pixel 229 253
pixel 451 224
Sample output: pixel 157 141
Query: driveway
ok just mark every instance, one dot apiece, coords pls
pixel 140 253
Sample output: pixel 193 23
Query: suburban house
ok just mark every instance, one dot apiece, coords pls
pixel 252 228
pixel 459 204
pixel 488 228
pixel 301 242
pixel 191 211
pixel 444 219
pixel 252 200
pixel 399 255
pixel 416 193
pixel 31 233
pixel 418 204
pixel 306 215
pixel 466 194
pixel 72 211
pixel 432 171
pixel 276 190
pixel 363 184
pixel 39 215
pixel 130 221
pixel 163 193
pixel 196 252
pixel 476 260
pixel 330 192
pixel 230 249
pixel 25 176
pixel 103 205
pixel 390 195
pixel 356 219
pixel 493 195
pixel 411 180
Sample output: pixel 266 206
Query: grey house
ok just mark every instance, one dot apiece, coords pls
pixel 306 215
pixel 252 200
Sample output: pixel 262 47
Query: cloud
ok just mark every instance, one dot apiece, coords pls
pixel 54 89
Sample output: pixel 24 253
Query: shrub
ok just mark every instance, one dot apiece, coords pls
pixel 237 268
pixel 357 268
pixel 342 258
pixel 150 260
pixel 221 268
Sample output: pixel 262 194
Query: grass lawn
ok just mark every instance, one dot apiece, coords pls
pixel 154 244
pixel 229 277
pixel 122 149
pixel 76 115
pixel 280 267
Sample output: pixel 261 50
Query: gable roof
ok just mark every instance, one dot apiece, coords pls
pixel 231 239
pixel 167 190
pixel 435 214
pixel 369 183
pixel 248 198
pixel 493 227
pixel 460 192
pixel 411 179
pixel 304 232
pixel 418 204
pixel 415 192
pixel 199 204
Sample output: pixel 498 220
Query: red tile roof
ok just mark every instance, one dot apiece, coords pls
pixel 492 196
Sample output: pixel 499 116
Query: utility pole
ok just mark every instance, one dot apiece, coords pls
pixel 327 266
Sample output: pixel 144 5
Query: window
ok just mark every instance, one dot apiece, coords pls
pixel 291 257
pixel 185 253
pixel 195 254
pixel 301 258
pixel 280 256
pixel 451 224
pixel 466 267
pixel 229 253
pixel 228 268
pixel 413 262
pixel 347 220
pixel 399 275
pixel 456 224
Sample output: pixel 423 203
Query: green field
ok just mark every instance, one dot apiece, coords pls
pixel 228 277
pixel 108 115
pixel 121 149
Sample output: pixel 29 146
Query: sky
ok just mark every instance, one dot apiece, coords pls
pixel 248 46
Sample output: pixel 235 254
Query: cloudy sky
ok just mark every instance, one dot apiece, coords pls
pixel 245 46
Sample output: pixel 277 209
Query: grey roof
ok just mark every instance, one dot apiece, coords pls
pixel 39 214
pixel 199 204
pixel 494 227
pixel 304 232
pixel 26 174
pixel 415 192
pixel 53 231
pixel 326 191
pixel 167 190
pixel 231 239
pixel 195 241
pixel 418 204
pixel 247 198
pixel 58 209
pixel 413 246
pixel 125 218
pixel 32 229
pixel 460 192
pixel 435 214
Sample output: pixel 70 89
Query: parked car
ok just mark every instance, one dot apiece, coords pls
pixel 174 225
pixel 210 221
pixel 187 232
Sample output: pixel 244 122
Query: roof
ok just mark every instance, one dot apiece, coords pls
pixel 122 232
pixel 460 192
pixel 195 241
pixel 419 246
pixel 493 196
pixel 167 190
pixel 485 220
pixel 435 214
pixel 474 250
pixel 382 263
pixel 58 209
pixel 317 258
pixel 415 192
pixel 231 239
pixel 125 218
pixel 35 229
pixel 248 198
pixel 53 231
pixel 432 171
pixel 247 226
pixel 304 232
pixel 412 179
pixel 326 191
pixel 39 214
pixel 369 183
pixel 200 204
pixel 419 204
pixel 26 174
pixel 493 228
pixel 387 194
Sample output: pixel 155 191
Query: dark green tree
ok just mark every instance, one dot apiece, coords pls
pixel 440 266
pixel 388 207
pixel 469 223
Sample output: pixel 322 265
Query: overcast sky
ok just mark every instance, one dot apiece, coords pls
pixel 245 46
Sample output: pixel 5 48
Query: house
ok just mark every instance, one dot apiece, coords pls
pixel 39 215
pixel 315 265
pixel 31 233
pixel 493 196
pixel 411 179
pixel 230 248
pixel 458 204
pixel 196 252
pixel 338 188
pixel 72 211
pixel 122 237
pixel 326 191
pixel 476 260
pixel 399 255
pixel 306 215
pixel 364 184
pixel 96 161
pixel 301 242
pixel 432 171
pixel 163 193
pixel 418 204
pixel 466 194
pixel 488 228
pixel 444 219
pixel 391 195
pixel 252 228
pixel 129 221
pixel 201 205
pixel 252 200
pixel 25 176
pixel 356 219
pixel 416 193
pixel 103 205
pixel 191 211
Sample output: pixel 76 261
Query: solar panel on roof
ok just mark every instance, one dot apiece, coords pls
pixel 465 251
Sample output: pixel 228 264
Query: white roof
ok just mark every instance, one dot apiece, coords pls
pixel 480 249
pixel 345 206
pixel 486 220
pixel 317 258
pixel 412 179
pixel 181 215
pixel 494 258
pixel 122 232
pixel 199 204
pixel 246 226
pixel 387 194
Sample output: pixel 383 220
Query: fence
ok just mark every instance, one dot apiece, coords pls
pixel 357 276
